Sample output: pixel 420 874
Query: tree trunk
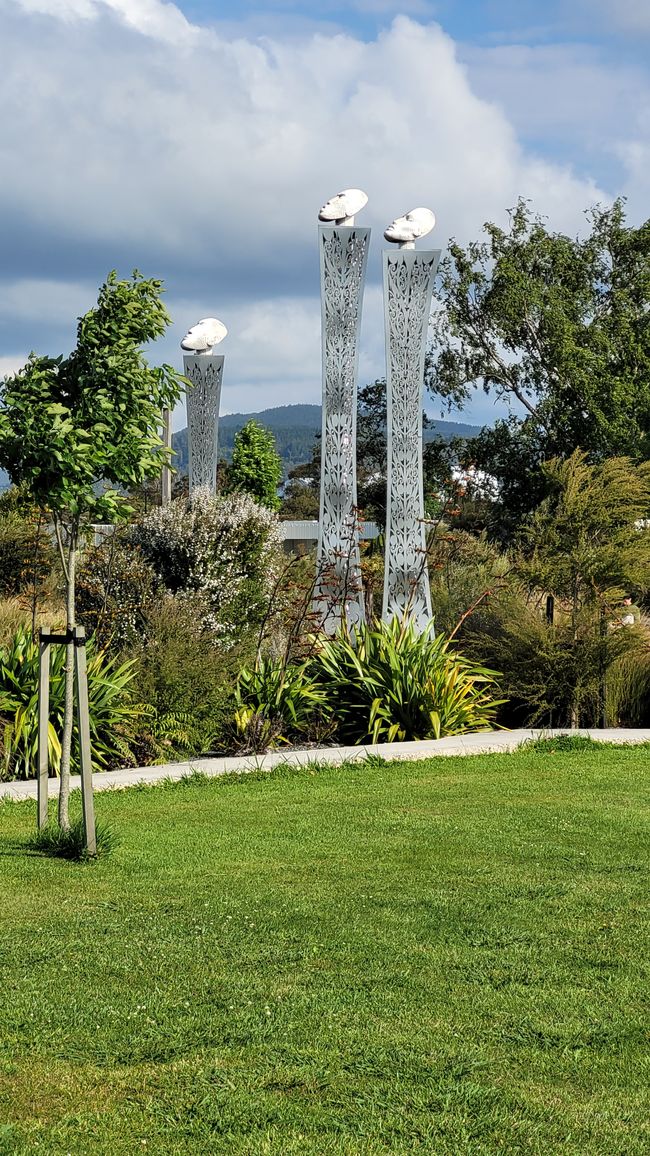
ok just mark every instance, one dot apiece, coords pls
pixel 68 715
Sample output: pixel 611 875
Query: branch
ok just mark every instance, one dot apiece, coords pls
pixel 477 602
pixel 57 530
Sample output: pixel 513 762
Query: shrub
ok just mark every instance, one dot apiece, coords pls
pixel 115 590
pixel 553 674
pixel 223 550
pixel 279 703
pixel 26 552
pixel 462 569
pixel 627 687
pixel 185 682
pixel 389 683
pixel 112 711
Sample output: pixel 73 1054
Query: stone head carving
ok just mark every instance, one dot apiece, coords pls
pixel 204 335
pixel 342 208
pixel 406 230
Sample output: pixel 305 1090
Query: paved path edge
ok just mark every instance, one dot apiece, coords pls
pixel 489 742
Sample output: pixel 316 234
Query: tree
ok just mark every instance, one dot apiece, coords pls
pixel 558 327
pixel 256 465
pixel 586 546
pixel 585 543
pixel 74 430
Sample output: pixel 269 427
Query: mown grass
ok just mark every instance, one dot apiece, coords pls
pixel 447 957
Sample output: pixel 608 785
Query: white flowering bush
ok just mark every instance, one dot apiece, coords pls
pixel 221 552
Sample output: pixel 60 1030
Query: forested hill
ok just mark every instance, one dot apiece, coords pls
pixel 294 428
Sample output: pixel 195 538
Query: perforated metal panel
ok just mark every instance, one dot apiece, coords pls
pixel 205 371
pixel 408 285
pixel 343 260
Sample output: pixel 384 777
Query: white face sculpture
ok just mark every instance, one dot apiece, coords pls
pixel 343 207
pixel 406 230
pixel 202 336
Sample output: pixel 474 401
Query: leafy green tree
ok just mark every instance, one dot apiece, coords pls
pixel 74 431
pixel 256 466
pixel 560 328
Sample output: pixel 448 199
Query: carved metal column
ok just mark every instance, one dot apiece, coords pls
pixel 408 285
pixel 205 371
pixel 343 259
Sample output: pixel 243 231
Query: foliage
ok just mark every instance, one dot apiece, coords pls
pixel 26 552
pixel 256 466
pixel 583 543
pixel 553 674
pixel 464 571
pixel 70 842
pixel 390 683
pixel 277 702
pixel 627 686
pixel 115 590
pixel 68 423
pixel 558 326
pixel 222 551
pixel 300 499
pixel 113 714
pixel 76 431
pixel 185 683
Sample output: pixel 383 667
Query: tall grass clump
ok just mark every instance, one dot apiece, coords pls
pixel 70 842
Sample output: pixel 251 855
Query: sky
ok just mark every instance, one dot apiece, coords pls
pixel 196 142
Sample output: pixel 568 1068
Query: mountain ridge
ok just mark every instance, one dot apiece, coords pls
pixel 295 428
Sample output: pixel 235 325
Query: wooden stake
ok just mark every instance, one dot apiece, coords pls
pixel 83 723
pixel 43 722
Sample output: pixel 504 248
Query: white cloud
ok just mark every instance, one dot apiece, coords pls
pixel 565 98
pixel 154 18
pixel 627 15
pixel 208 169
pixel 11 364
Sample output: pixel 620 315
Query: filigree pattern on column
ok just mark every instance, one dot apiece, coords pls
pixel 205 371
pixel 343 258
pixel 408 284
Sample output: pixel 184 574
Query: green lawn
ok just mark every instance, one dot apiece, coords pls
pixel 447 957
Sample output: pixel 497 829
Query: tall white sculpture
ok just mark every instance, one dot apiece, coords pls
pixel 205 371
pixel 343 258
pixel 408 285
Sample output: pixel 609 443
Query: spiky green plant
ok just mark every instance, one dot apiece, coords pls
pixel 391 683
pixel 112 712
pixel 278 703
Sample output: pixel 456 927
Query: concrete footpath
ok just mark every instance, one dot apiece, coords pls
pixel 474 744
